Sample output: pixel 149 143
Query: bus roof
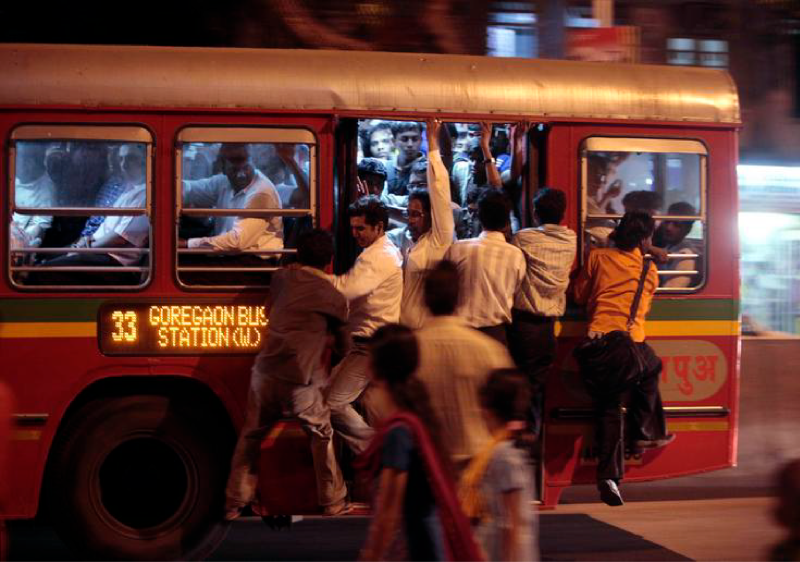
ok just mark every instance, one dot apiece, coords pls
pixel 304 80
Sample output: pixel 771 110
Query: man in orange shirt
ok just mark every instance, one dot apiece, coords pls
pixel 607 285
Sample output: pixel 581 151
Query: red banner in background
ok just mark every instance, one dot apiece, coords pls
pixel 610 44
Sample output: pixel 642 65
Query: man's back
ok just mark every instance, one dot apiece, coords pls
pixel 491 272
pixel 454 361
pixel 305 305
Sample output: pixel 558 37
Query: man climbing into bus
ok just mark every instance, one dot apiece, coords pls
pixel 289 373
pixel 373 288
pixel 239 186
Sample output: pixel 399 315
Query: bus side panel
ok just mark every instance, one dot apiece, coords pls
pixel 696 336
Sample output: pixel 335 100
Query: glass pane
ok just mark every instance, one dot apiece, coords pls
pixel 683 242
pixel 248 176
pixel 662 184
pixel 70 175
pixel 622 181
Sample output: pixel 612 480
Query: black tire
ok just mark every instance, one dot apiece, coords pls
pixel 139 478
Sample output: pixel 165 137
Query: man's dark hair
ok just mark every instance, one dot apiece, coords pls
pixel 372 209
pixel 373 166
pixel 442 288
pixel 403 126
pixel 633 228
pixel 474 193
pixel 505 394
pixel 421 194
pixel 419 166
pixel 493 210
pixel 315 248
pixel 682 208
pixel 549 205
pixel 643 200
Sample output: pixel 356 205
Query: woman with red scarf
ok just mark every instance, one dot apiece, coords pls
pixel 415 492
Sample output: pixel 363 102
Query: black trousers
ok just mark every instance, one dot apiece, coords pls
pixel 81 277
pixel 532 341
pixel 497 332
pixel 644 419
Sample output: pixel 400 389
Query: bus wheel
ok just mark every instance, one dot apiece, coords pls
pixel 140 477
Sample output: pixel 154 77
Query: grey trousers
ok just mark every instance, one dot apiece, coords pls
pixel 350 382
pixel 270 400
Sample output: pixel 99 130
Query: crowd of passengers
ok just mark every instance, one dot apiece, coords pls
pixel 442 348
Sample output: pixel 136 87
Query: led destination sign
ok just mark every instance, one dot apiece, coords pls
pixel 180 329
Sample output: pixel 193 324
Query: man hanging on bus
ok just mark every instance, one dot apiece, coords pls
pixel 373 287
pixel 289 372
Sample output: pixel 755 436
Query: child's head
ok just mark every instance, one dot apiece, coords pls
pixel 505 395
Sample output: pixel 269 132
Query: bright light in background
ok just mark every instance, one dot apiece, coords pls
pixel 761 228
pixel 756 176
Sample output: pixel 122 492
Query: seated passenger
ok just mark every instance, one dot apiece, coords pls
pixel 116 231
pixel 671 235
pixel 32 188
pixel 239 186
pixel 79 171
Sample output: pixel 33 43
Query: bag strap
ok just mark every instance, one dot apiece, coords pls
pixel 638 297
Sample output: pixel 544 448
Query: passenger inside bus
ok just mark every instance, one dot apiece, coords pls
pixel 79 170
pixel 32 188
pixel 467 150
pixel 672 236
pixel 239 185
pixel 113 231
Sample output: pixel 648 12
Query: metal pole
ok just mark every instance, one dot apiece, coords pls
pixel 551 29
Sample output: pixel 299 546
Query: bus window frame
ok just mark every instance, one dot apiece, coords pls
pixel 651 145
pixel 59 132
pixel 257 134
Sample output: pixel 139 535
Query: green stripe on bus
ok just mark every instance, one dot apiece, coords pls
pixel 679 309
pixel 75 309
pixel 79 309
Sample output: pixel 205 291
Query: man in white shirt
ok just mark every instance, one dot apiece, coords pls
pixel 454 361
pixel 490 268
pixel 373 288
pixel 429 233
pixel 549 254
pixel 240 186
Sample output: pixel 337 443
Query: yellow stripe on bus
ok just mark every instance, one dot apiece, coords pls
pixel 586 428
pixel 26 435
pixel 569 329
pixel 48 329
pixel 665 328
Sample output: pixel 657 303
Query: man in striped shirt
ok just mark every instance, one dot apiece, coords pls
pixel 490 268
pixel 549 251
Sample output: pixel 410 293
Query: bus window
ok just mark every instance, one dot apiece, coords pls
pixel 245 194
pixel 665 178
pixel 80 207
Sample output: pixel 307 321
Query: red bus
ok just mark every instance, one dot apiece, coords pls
pixel 130 365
